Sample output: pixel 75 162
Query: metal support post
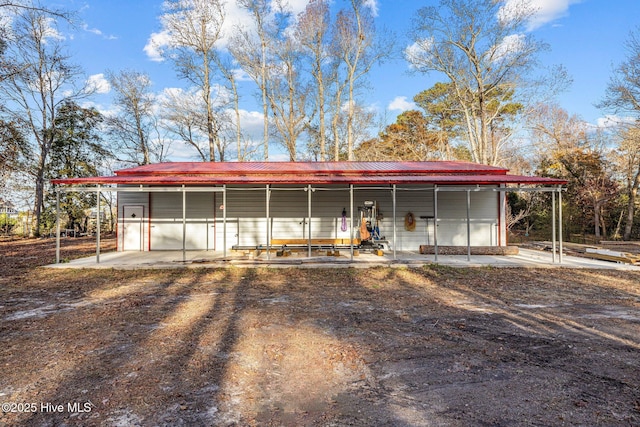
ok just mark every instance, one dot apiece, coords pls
pixel 224 221
pixel 394 221
pixel 560 222
pixel 184 224
pixel 553 226
pixel 309 220
pixel 98 226
pixel 435 222
pixel 468 225
pixel 268 198
pixel 351 218
pixel 57 224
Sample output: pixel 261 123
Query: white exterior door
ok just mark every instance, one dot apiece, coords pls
pixel 132 228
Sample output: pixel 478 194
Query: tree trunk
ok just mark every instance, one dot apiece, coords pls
pixel 323 136
pixel 628 226
pixel 631 207
pixel 265 106
pixel 336 143
pixel 596 220
pixel 236 106
pixel 211 130
pixel 39 202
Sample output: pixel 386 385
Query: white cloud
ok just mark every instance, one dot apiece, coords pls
pixel 180 151
pixel 179 97
pixel 108 111
pixel 240 75
pixel 295 6
pixel 192 97
pixel 7 16
pixel 373 5
pixel 279 157
pixel 155 44
pixel 50 30
pixel 235 17
pixel 400 103
pixel 419 53
pixel 252 123
pixel 612 121
pixel 91 30
pixel 509 45
pixel 98 83
pixel 97 32
pixel 545 10
pixel 252 119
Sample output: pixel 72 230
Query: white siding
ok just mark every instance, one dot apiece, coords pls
pixel 167 225
pixel 452 218
pixel 419 203
pixel 289 211
pixel 246 217
pixel 133 199
pixel 247 223
pixel 200 221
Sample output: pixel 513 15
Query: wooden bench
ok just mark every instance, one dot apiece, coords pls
pixel 330 245
pixel 314 242
pixel 300 244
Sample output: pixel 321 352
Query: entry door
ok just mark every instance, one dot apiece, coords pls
pixel 132 218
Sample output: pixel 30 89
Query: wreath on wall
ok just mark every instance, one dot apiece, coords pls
pixel 409 221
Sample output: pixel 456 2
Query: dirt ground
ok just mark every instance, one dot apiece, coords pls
pixel 428 346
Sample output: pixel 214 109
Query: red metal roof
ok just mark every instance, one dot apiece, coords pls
pixel 300 168
pixel 365 173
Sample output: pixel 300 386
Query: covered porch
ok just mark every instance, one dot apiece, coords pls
pixel 526 258
pixel 257 206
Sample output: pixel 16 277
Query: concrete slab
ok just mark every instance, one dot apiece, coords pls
pixel 527 258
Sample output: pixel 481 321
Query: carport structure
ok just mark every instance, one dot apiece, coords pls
pixel 225 206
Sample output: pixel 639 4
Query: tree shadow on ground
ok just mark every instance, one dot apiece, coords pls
pixel 147 356
pixel 401 347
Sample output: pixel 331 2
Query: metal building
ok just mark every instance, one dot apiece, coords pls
pixel 225 206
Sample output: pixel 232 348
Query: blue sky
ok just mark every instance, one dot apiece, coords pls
pixel 585 36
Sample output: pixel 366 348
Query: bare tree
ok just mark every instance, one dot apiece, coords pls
pixel 571 152
pixel 42 80
pixel 15 8
pixel 194 28
pixel 360 124
pixel 229 74
pixel 628 160
pixel 135 128
pixel 359 49
pixel 623 97
pixel 183 116
pixel 312 32
pixel 337 87
pixel 623 91
pixel 482 49
pixel 252 50
pixel 288 93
